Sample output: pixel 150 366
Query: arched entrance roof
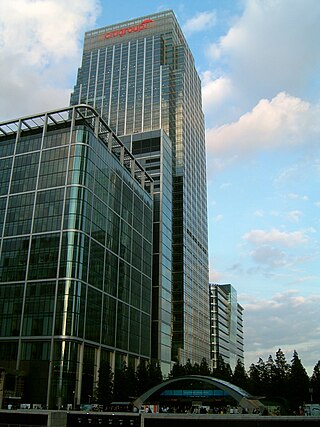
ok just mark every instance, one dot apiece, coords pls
pixel 242 397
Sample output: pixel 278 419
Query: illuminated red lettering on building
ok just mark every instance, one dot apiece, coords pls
pixel 144 25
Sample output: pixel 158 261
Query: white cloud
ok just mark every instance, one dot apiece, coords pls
pixel 289 173
pixel 289 321
pixel 215 91
pixel 305 279
pixel 216 164
pixel 270 257
pixel 44 29
pixel 285 121
pixel 271 47
pixel 218 218
pixel 295 215
pixel 295 196
pixel 275 249
pixel 274 236
pixel 225 185
pixel 296 171
pixel 200 22
pixel 214 51
pixel 40 48
pixel 215 277
pixel 259 213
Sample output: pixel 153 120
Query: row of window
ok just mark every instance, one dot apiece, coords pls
pixel 80 311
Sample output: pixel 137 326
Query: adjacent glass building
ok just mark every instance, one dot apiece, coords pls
pixel 76 213
pixel 226 325
pixel 141 77
pixel 154 151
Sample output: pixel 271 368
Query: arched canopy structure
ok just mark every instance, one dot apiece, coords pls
pixel 197 387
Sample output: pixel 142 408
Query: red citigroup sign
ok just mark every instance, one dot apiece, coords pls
pixel 144 25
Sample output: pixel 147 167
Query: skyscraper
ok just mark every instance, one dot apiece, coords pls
pixel 140 76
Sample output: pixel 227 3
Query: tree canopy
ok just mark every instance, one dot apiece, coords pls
pixel 273 379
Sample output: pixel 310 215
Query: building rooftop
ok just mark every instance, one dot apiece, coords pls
pixel 81 114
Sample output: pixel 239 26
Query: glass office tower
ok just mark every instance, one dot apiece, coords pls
pixel 140 76
pixel 154 152
pixel 226 325
pixel 75 223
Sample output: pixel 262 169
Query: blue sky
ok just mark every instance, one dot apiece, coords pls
pixel 259 62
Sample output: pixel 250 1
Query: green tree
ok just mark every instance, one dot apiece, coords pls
pixel 104 392
pixel 188 368
pixel 196 369
pixel 142 377
pixel 298 383
pixel 240 377
pixel 315 383
pixel 254 380
pixel 259 378
pixel 131 383
pixel 280 375
pixel 120 390
pixel 154 374
pixel 177 370
pixel 204 367
pixel 223 370
pixel 269 376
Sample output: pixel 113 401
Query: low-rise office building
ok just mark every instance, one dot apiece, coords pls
pixel 76 213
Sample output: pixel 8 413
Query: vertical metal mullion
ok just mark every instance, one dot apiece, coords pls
pixel 127 89
pixel 59 258
pixel 135 89
pixel 152 71
pixel 80 93
pixel 30 243
pixel 143 81
pixel 111 82
pixel 10 181
pixel 88 83
pixel 3 227
pixel 96 81
pixel 119 84
pixel 104 80
pixel 160 100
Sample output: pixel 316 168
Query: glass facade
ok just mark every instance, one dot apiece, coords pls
pixel 75 221
pixel 153 150
pixel 226 325
pixel 140 75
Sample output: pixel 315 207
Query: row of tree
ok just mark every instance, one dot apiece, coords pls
pixel 275 378
pixel 126 384
pixel 279 380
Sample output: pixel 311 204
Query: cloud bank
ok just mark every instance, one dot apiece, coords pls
pixel 271 47
pixel 40 48
pixel 274 236
pixel 200 22
pixel 283 121
pixel 288 321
